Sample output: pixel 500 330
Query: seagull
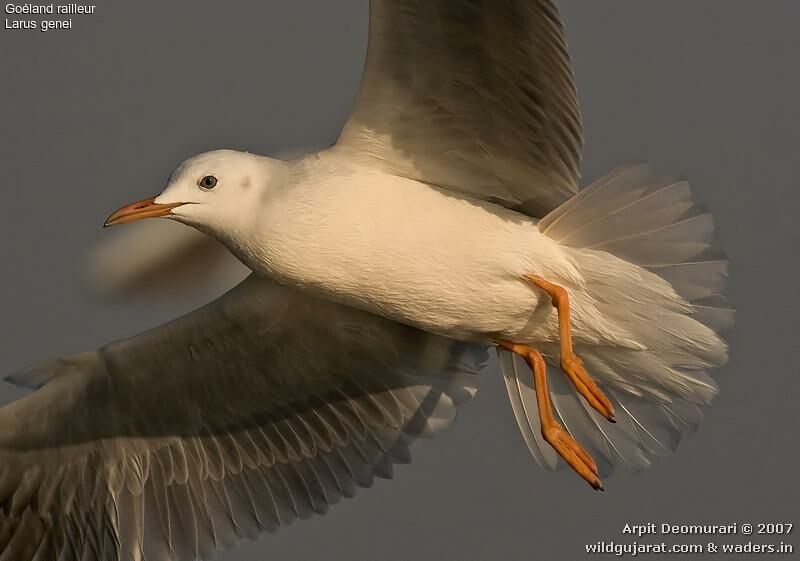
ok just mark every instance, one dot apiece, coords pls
pixel 444 223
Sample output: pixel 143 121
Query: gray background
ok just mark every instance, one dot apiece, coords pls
pixel 98 116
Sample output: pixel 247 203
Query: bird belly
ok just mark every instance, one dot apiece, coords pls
pixel 423 257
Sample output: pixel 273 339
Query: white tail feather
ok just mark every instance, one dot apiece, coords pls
pixel 658 383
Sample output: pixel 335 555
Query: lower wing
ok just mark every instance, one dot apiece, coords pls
pixel 260 408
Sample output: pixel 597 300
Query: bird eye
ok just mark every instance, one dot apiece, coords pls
pixel 208 182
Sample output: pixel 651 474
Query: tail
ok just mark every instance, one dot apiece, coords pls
pixel 660 297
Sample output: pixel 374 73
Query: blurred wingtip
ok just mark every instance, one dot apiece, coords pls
pixel 158 256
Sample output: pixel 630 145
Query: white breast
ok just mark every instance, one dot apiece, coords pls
pixel 410 252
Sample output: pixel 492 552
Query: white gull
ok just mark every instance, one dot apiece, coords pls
pixel 446 220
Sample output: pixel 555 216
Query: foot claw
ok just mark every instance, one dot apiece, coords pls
pixel 574 454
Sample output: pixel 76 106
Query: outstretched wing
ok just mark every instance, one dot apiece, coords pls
pixel 264 406
pixel 474 95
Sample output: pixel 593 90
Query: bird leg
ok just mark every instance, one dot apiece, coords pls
pixel 571 364
pixel 553 433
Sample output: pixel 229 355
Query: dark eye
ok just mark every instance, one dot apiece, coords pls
pixel 208 182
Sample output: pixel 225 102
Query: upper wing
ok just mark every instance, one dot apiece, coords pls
pixel 474 95
pixel 262 407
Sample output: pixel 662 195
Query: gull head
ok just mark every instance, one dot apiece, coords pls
pixel 215 192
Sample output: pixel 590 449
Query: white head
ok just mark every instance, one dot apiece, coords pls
pixel 217 192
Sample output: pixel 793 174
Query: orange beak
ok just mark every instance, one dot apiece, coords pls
pixel 140 210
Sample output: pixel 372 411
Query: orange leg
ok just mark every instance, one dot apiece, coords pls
pixel 553 433
pixel 571 364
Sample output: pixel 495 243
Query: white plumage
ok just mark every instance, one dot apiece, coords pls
pixel 652 280
pixel 383 268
